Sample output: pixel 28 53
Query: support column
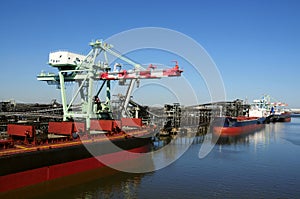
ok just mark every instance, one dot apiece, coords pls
pixel 108 97
pixel 63 95
pixel 89 113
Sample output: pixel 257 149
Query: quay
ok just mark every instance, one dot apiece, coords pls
pixel 175 119
pixel 170 119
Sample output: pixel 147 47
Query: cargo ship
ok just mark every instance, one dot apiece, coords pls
pixel 273 111
pixel 26 159
pixel 90 134
pixel 236 126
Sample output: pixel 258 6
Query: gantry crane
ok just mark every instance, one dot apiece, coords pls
pixel 84 70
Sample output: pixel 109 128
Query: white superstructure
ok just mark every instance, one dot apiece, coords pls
pixel 60 58
pixel 259 108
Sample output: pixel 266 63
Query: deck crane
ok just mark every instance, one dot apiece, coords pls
pixel 84 70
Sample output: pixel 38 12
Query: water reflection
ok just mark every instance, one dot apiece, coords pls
pixel 292 132
pixel 122 185
pixel 263 136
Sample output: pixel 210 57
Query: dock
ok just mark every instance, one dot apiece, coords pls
pixel 175 119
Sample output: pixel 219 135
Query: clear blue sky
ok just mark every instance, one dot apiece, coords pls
pixel 255 44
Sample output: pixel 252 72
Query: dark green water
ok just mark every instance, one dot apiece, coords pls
pixel 265 164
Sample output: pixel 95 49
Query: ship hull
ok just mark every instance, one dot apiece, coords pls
pixel 237 127
pixel 284 117
pixel 24 169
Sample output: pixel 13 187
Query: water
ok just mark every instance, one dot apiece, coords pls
pixel 261 165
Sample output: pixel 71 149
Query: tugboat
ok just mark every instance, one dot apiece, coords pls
pixel 35 152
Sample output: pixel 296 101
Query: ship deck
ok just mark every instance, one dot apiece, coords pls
pixel 25 148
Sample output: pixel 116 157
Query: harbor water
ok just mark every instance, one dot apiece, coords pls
pixel 264 164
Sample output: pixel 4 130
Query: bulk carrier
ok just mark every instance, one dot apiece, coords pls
pixel 35 152
pixel 261 111
pixel 236 126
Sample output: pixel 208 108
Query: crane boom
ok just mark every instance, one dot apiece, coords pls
pixel 134 75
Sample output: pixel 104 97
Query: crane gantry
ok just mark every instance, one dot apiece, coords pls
pixel 84 70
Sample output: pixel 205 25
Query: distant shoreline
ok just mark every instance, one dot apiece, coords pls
pixel 295 115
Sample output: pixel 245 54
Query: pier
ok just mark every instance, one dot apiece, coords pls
pixel 175 119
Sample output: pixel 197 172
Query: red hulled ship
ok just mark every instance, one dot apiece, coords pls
pixel 236 126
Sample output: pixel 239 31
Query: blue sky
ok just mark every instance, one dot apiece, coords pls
pixel 255 44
